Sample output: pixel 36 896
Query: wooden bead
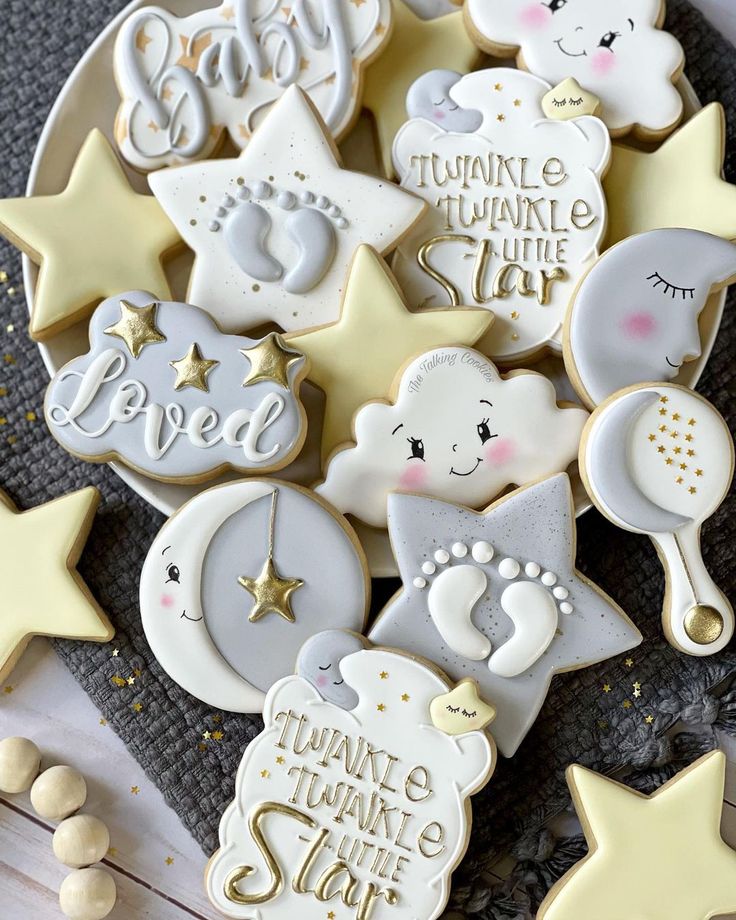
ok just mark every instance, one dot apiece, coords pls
pixel 81 841
pixel 87 894
pixel 20 761
pixel 58 792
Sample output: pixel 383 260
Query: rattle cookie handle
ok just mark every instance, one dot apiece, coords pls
pixel 697 617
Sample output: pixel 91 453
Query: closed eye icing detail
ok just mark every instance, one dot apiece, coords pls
pixel 324 669
pixel 672 289
pixel 441 102
pixel 452 708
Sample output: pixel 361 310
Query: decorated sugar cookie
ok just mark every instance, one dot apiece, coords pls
pixel 569 100
pixel 659 459
pixel 239 578
pixel 617 51
pixel 659 856
pixel 516 212
pixel 91 240
pixel 495 596
pixel 456 430
pixel 163 390
pixel 274 230
pixel 634 318
pixel 186 81
pixel 355 806
pixel 43 593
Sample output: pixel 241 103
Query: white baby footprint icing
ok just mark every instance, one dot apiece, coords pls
pixel 452 597
pixel 534 614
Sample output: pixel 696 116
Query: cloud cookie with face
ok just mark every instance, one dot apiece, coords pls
pixel 616 50
pixel 456 430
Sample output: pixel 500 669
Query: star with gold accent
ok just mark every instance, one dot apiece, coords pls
pixel 136 327
pixel 191 51
pixel 270 360
pixel 192 369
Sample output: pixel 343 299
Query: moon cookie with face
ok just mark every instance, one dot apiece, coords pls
pixel 239 579
pixel 617 51
pixel 456 430
pixel 634 318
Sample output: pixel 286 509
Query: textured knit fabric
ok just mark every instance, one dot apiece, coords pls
pixel 579 723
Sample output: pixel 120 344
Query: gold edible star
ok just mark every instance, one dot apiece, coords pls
pixel 675 416
pixel 217 736
pixel 649 719
pixel 500 117
pixel 134 790
pixel 405 697
pixel 383 675
pixel 192 369
pixel 280 760
pixel 272 593
pixel 270 360
pixel 629 662
pixel 191 53
pixel 136 327
pixel 380 707
pixel 698 472
pixel 142 40
pixel 627 704
pixel 169 860
pixel 265 774
pixel 606 688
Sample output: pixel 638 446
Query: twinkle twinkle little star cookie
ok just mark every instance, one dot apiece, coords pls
pixel 353 803
pixel 616 50
pixel 516 208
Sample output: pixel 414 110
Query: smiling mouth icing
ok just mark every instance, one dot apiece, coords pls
pixel 454 472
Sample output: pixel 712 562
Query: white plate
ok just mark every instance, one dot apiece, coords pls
pixel 90 99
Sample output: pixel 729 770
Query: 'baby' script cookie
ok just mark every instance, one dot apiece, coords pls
pixel 516 212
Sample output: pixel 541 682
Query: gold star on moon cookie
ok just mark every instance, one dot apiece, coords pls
pixel 416 46
pixel 96 238
pixel 658 857
pixel 270 360
pixel 679 185
pixel 136 327
pixel 43 594
pixel 192 370
pixel 356 359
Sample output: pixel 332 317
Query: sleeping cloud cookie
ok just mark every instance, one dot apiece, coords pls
pixel 616 50
pixel 456 430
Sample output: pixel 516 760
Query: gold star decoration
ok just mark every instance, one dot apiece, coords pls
pixel 629 662
pixel 627 704
pixel 381 707
pixel 192 51
pixel 42 592
pixel 142 40
pixel 137 707
pixel 331 915
pixel 192 369
pixel 271 592
pixel 206 735
pixel 678 185
pixel 405 697
pixel 649 720
pixel 169 860
pixel 356 359
pixel 217 735
pixel 659 857
pixel 383 675
pixel 136 327
pixel 134 790
pixel 607 688
pixel 270 360
pixel 414 47
pixel 280 760
pixel 265 774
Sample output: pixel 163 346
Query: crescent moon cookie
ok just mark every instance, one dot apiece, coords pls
pixel 495 596
pixel 239 578
pixel 517 211
pixel 357 807
pixel 658 459
pixel 186 82
pixel 455 429
pixel 91 240
pixel 165 392
pixel 660 856
pixel 634 317
pixel 274 230
pixel 617 51
pixel 43 594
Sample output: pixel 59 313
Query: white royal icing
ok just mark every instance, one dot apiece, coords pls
pixel 516 213
pixel 450 603
pixel 457 431
pixel 614 50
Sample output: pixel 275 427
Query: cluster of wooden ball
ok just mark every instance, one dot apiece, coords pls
pixel 79 840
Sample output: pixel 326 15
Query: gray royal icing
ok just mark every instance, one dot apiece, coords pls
pixel 319 663
pixel 429 97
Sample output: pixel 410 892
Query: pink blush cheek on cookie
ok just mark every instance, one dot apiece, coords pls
pixel 167 600
pixel 321 681
pixel 500 451
pixel 639 325
pixel 535 16
pixel 413 478
pixel 602 62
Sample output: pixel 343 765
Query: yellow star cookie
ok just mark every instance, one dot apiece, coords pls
pixel 356 359
pixel 96 238
pixel 658 857
pixel 416 46
pixel 43 594
pixel 461 710
pixel 679 185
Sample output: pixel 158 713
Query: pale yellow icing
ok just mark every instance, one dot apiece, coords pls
pixel 569 100
pixel 461 710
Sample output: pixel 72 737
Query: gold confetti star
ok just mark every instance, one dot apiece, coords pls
pixel 691 421
pixel 669 461
pixel 500 117
pixel 8 359
pixel 652 437
pixel 134 790
pixel 698 472
pixel 280 760
pixel 331 915
pixel 130 681
pixel 629 662
pixel 627 704
pixel 649 719
pixel 692 490
pixel 137 672
pixel 191 52
pixel 517 103
pixel 380 707
pixel 217 719
pixel 664 399
pixel 142 40
pixel 514 315
pixel 192 369
pixel 606 688
pixel 674 434
pixel 169 860
pixel 676 416
pixel 405 697
pixel 691 453
pixel 661 449
pixel 30 416
pixel 498 87
pixel 265 774
pixel 119 681
pixel 636 685
pixel 8 690
pixel 115 652
pixel 137 707
pixel 679 480
pixel 136 327
pixel 217 735
pixel 662 428
pixel 383 675
pixel 663 412
pixel 271 360
pixel 103 722
pixel 637 694
pixel 3 277
pixel 677 450
pixel 201 747
pixel 112 851
pixel 206 735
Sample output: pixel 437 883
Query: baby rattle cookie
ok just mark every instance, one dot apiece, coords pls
pixel 634 316
pixel 455 429
pixel 165 392
pixel 498 598
pixel 187 82
pixel 516 208
pixel 239 578
pixel 658 459
pixel 617 51
pixel 354 805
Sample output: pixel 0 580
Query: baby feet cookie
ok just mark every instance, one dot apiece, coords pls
pixel 274 230
pixel 165 392
pixel 185 82
pixel 516 208
pixel 634 317
pixel 239 578
pixel 354 804
pixel 496 596
pixel 617 51
pixel 455 429
pixel 659 460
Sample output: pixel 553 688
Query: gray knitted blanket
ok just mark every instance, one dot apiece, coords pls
pixel 579 723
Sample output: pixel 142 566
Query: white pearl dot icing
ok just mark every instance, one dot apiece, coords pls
pixel 442 556
pixel 429 568
pixel 532 569
pixel 566 608
pixel 560 593
pixel 549 578
pixel 459 550
pixel 482 551
pixel 420 582
pixel 508 568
